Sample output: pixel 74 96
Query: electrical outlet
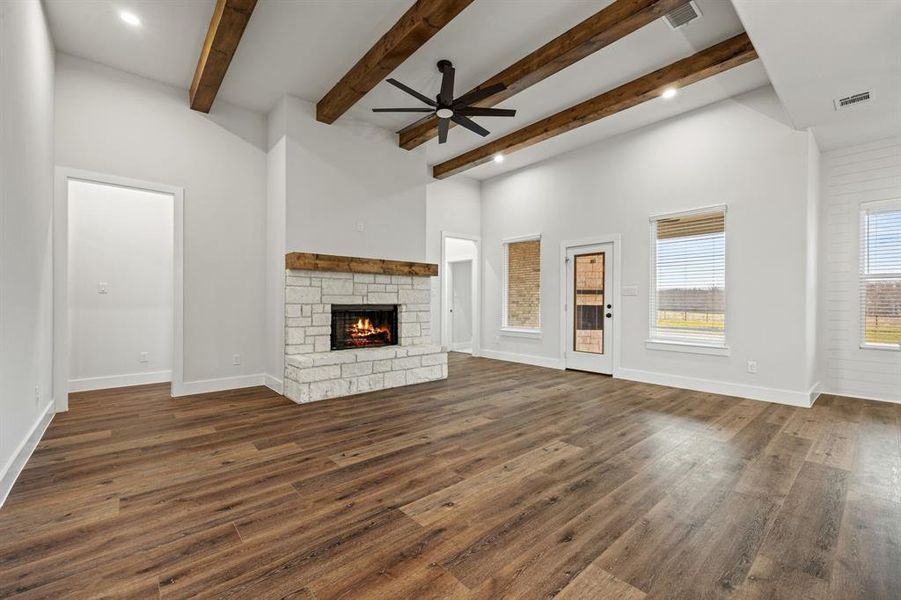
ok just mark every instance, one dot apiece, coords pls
pixel 144 357
pixel 236 359
pixel 37 395
pixel 752 366
pixel 102 287
pixel 361 226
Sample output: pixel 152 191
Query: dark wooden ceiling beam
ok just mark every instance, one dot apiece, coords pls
pixel 423 20
pixel 226 28
pixel 707 63
pixel 605 27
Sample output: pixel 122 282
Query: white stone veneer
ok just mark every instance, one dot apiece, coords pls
pixel 313 372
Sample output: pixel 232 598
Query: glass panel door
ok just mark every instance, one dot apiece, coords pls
pixel 588 308
pixel 589 303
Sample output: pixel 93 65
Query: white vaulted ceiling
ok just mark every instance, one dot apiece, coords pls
pixel 817 51
pixel 303 47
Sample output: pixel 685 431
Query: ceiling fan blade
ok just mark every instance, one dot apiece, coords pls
pixel 478 111
pixel 412 92
pixel 403 110
pixel 443 126
pixel 470 125
pixel 447 85
pixel 481 94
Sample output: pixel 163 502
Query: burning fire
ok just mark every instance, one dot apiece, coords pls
pixel 362 330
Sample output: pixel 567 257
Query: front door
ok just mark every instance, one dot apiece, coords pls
pixel 589 308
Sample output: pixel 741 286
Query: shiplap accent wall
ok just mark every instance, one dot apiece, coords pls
pixel 852 176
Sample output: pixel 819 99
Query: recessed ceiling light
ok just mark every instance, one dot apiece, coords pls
pixel 669 92
pixel 498 158
pixel 130 18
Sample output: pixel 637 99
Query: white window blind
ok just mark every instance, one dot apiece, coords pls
pixel 880 274
pixel 688 277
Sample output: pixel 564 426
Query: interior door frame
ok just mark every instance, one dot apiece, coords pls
pixel 61 274
pixel 616 240
pixel 476 290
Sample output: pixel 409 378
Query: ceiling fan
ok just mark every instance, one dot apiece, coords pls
pixel 447 108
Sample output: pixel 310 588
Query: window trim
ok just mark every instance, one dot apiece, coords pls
pixel 505 329
pixel 889 205
pixel 687 345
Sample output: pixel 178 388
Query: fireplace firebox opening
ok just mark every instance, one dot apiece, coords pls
pixel 363 325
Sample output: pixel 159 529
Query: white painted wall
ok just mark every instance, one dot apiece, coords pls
pixel 813 346
pixel 276 199
pixel 741 152
pixel 123 238
pixel 26 197
pixel 851 176
pixel 349 174
pixel 454 206
pixel 112 122
pixel 457 249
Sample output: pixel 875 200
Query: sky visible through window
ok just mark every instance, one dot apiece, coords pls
pixel 883 238
pixel 694 262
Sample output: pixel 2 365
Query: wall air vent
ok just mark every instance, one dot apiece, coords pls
pixel 685 14
pixel 849 101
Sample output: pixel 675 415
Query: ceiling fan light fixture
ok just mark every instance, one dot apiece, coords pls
pixel 498 158
pixel 444 113
pixel 669 92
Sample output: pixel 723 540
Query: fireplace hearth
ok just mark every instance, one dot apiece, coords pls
pixel 363 326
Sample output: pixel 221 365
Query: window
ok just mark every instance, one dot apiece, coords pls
pixel 880 274
pixel 688 279
pixel 522 274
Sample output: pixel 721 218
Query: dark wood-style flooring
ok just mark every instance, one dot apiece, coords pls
pixel 505 481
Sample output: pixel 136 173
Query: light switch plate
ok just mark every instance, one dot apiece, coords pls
pixel 102 287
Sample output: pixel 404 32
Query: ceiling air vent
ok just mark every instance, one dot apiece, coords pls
pixel 849 101
pixel 685 14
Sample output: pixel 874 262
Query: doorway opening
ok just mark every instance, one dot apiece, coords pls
pixel 460 274
pixel 120 286
pixel 117 284
pixel 460 285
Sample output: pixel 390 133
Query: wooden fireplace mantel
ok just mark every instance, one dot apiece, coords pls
pixel 350 264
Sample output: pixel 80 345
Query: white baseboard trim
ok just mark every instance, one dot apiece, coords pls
pixel 204 386
pixel 753 392
pixel 16 463
pixel 274 383
pixel 814 393
pixel 117 381
pixel 462 347
pixel 853 394
pixel 528 359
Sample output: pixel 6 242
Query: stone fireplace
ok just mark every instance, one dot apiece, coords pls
pixel 355 325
